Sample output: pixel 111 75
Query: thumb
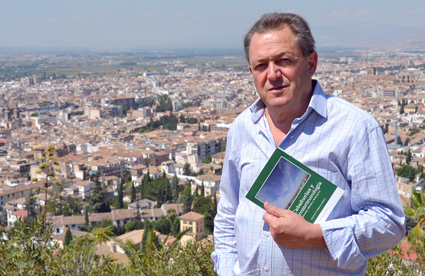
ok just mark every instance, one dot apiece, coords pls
pixel 273 210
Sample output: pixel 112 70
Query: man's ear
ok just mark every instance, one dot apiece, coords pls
pixel 312 61
pixel 250 68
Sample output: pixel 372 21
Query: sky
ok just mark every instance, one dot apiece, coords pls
pixel 166 24
pixel 285 178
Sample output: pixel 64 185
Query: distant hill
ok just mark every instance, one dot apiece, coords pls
pixel 367 35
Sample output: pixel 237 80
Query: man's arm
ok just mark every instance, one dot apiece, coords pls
pixel 379 221
pixel 225 254
pixel 377 225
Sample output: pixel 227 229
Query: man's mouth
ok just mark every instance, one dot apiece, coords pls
pixel 277 88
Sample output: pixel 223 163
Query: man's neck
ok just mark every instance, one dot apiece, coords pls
pixel 280 121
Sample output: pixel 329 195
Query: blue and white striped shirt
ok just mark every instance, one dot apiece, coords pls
pixel 343 144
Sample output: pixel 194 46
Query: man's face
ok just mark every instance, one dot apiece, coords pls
pixel 282 74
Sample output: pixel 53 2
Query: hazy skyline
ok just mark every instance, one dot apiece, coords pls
pixel 199 24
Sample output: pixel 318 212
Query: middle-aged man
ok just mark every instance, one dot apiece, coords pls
pixel 334 138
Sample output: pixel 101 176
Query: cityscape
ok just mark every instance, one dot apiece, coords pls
pixel 112 147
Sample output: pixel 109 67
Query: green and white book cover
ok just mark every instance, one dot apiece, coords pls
pixel 288 184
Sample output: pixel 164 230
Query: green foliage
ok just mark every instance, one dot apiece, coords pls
pixel 207 159
pixel 71 206
pixel 164 104
pixel 202 205
pixel 408 156
pixel 30 206
pixel 406 142
pixel 202 189
pixel 413 132
pixel 167 122
pixel 408 172
pixel 164 226
pixel 184 105
pixel 121 195
pixel 130 226
pixel 158 259
pixel 35 114
pixel 398 140
pixel 98 201
pixel 76 113
pixel 187 200
pixel 68 237
pixel 186 169
pixel 133 193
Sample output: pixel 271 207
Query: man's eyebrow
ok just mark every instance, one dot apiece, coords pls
pixel 280 55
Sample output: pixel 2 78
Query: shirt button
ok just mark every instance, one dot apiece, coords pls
pixel 265 268
pixel 267 234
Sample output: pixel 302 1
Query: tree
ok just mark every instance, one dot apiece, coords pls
pixel 47 167
pixel 68 237
pixel 407 172
pixel 130 226
pixel 406 142
pixel 102 235
pixel 186 169
pixel 174 187
pixel 133 193
pixel 30 206
pixel 399 140
pixel 207 159
pixel 98 201
pixel 402 109
pixel 187 201
pixel 172 215
pixel 86 217
pixel 120 195
pixel 409 156
pixel 417 214
pixel 202 189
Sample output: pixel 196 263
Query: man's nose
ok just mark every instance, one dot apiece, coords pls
pixel 273 72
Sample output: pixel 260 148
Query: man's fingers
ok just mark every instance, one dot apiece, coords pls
pixel 273 210
pixel 269 219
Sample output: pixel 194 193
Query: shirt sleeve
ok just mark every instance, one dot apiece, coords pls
pixel 225 254
pixel 378 222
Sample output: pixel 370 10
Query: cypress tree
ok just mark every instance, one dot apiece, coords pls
pixel 68 237
pixel 86 217
pixel 202 189
pixel 98 200
pixel 133 193
pixel 120 195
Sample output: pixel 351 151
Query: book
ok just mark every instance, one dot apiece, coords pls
pixel 288 184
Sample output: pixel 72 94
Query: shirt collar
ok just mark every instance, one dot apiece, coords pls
pixel 317 103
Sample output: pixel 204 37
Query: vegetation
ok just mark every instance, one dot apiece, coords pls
pixel 167 122
pixel 98 200
pixel 408 171
pixel 164 104
pixel 76 113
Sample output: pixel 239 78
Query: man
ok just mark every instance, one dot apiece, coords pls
pixel 334 138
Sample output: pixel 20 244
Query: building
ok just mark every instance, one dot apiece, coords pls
pixel 194 222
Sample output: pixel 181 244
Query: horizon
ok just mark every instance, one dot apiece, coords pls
pixel 144 26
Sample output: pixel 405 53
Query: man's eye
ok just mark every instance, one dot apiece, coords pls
pixel 260 66
pixel 283 61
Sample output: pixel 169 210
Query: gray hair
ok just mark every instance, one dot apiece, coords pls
pixel 276 21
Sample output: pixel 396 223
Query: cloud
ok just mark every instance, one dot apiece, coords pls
pixel 362 12
pixel 340 13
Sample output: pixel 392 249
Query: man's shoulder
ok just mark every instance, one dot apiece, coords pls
pixel 243 119
pixel 351 114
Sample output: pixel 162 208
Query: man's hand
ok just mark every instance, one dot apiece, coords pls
pixel 291 230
